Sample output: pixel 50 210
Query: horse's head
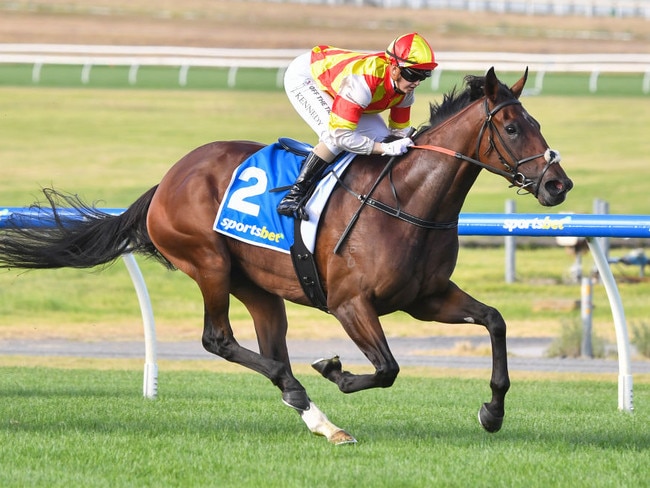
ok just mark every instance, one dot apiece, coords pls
pixel 511 143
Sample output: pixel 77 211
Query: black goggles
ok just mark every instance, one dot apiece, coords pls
pixel 412 75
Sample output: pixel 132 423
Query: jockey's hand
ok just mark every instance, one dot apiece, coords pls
pixel 396 148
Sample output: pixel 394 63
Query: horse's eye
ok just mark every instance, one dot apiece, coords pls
pixel 511 129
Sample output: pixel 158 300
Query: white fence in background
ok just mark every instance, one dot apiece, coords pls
pixel 87 56
pixel 586 8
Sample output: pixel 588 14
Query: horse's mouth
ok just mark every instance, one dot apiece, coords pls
pixel 554 192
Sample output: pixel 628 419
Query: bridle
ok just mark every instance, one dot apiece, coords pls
pixel 512 173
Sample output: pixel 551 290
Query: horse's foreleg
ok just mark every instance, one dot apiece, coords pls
pixel 491 414
pixel 361 323
pixel 455 307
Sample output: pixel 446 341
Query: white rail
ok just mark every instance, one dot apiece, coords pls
pixel 184 58
pixel 586 8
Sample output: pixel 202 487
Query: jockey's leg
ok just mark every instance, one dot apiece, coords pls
pixel 292 205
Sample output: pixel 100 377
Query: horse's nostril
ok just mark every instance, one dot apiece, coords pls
pixel 553 187
pixel 568 184
pixel 557 187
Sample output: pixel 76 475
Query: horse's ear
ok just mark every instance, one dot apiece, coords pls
pixel 491 85
pixel 518 87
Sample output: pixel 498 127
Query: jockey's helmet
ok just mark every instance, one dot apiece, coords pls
pixel 411 51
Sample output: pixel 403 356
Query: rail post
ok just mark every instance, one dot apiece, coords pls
pixel 622 339
pixel 150 381
pixel 510 245
pixel 586 306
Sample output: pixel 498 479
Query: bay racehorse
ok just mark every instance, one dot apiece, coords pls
pixel 399 254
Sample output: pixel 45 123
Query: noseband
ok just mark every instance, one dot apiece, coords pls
pixel 512 172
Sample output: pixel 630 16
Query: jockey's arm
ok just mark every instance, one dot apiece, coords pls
pixel 348 107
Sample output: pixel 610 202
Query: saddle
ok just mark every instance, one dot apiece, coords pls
pixel 295 147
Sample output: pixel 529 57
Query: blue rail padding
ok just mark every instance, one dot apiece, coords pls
pixel 35 218
pixel 474 224
pixel 570 225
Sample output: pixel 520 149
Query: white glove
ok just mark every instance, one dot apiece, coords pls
pixel 396 148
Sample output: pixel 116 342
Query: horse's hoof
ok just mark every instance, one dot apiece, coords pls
pixel 327 366
pixel 488 421
pixel 341 437
pixel 297 399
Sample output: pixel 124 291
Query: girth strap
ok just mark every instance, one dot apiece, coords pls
pixel 306 270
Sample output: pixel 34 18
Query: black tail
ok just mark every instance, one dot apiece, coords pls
pixel 89 239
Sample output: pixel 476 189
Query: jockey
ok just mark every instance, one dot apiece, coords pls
pixel 341 93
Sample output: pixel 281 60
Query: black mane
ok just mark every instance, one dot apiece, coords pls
pixel 454 101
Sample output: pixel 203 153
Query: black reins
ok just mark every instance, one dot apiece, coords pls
pixel 392 211
pixel 512 173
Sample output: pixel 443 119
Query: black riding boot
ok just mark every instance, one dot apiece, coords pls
pixel 292 204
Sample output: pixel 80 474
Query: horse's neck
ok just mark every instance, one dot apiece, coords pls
pixel 439 182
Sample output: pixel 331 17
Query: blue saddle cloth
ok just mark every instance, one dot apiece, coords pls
pixel 248 211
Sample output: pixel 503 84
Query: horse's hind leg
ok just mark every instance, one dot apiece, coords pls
pixel 205 258
pixel 218 339
pixel 270 320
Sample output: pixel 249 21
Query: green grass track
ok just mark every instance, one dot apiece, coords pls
pixel 91 428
